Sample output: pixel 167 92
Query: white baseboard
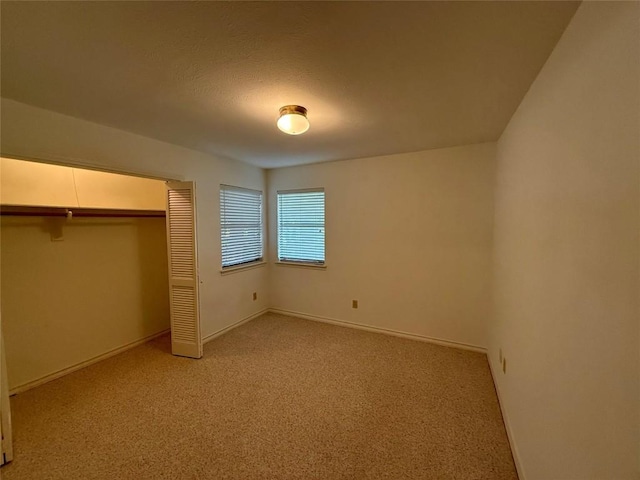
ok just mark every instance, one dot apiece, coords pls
pixel 507 425
pixel 387 331
pixel 211 336
pixel 65 371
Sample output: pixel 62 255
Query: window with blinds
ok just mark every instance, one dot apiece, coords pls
pixel 301 226
pixel 240 225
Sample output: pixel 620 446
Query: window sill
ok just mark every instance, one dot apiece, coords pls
pixel 241 268
pixel 313 266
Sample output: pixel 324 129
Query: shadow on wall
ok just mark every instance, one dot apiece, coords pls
pixel 102 285
pixel 154 272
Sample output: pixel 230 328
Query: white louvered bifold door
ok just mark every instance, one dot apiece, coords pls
pixel 183 270
pixel 6 455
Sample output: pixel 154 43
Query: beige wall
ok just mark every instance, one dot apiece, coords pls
pixel 566 255
pixel 31 183
pixel 39 184
pixel 37 134
pixel 408 236
pixel 65 302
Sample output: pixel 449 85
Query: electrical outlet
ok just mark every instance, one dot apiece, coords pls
pixel 504 365
pixel 354 303
pixel 255 295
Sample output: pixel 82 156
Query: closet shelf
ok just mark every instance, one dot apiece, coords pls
pixel 17 210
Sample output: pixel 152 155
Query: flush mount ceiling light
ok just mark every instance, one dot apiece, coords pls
pixel 293 119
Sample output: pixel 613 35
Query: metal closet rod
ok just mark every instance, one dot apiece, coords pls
pixel 17 210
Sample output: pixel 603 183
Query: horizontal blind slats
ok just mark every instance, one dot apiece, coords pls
pixel 301 230
pixel 240 225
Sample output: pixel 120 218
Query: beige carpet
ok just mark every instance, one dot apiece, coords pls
pixel 277 398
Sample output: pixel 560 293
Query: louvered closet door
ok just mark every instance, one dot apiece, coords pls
pixel 183 272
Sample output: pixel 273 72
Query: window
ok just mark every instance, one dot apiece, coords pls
pixel 301 226
pixel 240 225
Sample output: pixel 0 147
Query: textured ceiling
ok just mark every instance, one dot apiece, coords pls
pixel 377 78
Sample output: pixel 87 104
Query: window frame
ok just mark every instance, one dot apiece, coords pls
pixel 302 262
pixel 247 263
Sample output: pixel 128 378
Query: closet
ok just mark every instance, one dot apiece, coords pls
pixel 84 267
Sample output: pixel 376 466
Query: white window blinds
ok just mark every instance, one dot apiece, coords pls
pixel 240 225
pixel 301 226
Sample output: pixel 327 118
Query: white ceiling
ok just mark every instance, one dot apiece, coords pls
pixel 376 77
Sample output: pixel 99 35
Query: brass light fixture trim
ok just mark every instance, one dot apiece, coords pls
pixel 295 109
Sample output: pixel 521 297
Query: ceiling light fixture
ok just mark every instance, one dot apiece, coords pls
pixel 293 120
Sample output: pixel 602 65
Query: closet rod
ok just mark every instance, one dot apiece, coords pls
pixel 15 210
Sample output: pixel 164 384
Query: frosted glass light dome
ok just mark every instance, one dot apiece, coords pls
pixel 293 120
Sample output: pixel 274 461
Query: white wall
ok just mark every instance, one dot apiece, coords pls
pixel 566 255
pixel 408 236
pixel 102 286
pixel 37 134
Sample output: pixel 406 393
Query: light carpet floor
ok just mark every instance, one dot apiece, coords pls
pixel 277 398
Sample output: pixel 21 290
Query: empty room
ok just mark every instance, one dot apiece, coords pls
pixel 320 240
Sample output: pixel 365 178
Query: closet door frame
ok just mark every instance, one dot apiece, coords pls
pixel 6 450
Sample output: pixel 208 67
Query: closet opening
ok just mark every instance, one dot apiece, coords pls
pixel 83 267
pixel 85 259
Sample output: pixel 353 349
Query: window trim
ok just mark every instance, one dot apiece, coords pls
pixel 251 263
pixel 242 266
pixel 312 266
